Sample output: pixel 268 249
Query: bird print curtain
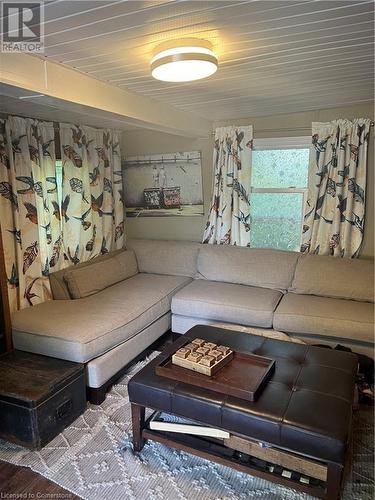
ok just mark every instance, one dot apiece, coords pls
pixel 28 196
pixel 335 209
pixel 229 217
pixel 92 210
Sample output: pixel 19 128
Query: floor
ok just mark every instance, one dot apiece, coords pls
pixel 19 481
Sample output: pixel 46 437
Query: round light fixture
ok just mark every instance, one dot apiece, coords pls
pixel 183 60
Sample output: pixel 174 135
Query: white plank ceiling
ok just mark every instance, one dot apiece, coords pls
pixel 274 56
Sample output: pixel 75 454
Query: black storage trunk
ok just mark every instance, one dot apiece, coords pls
pixel 39 397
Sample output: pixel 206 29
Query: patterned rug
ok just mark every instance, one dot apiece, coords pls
pixel 93 459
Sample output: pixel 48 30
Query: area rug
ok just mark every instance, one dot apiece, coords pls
pixel 93 459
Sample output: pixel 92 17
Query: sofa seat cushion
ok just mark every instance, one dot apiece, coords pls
pixel 244 305
pixel 307 314
pixel 82 329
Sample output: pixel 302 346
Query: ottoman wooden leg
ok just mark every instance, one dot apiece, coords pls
pixel 138 421
pixel 334 480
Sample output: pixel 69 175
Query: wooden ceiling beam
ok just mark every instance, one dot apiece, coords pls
pixel 65 88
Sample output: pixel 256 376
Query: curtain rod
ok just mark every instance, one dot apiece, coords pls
pixel 56 125
pixel 294 129
pixel 278 129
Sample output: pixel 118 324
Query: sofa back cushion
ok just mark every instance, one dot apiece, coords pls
pixel 59 287
pixel 334 277
pixel 247 266
pixel 176 258
pixel 99 275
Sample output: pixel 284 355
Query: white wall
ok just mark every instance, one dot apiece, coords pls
pixel 287 125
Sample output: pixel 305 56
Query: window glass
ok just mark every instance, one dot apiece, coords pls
pixel 276 220
pixel 280 168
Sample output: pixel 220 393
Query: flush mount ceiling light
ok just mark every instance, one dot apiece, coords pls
pixel 183 60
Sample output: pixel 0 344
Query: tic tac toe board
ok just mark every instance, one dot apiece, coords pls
pixel 203 357
pixel 239 374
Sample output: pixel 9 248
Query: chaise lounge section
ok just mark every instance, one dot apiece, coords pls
pixel 106 311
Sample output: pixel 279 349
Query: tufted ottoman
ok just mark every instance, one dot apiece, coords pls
pixel 305 410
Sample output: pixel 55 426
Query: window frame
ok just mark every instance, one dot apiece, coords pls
pixel 270 144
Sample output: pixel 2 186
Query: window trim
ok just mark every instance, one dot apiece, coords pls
pixel 264 144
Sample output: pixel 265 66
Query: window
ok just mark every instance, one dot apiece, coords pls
pixel 278 192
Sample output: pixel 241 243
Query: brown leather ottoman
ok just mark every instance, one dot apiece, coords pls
pixel 305 409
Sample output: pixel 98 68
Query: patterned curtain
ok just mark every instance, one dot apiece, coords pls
pixel 92 210
pixel 335 209
pixel 229 216
pixel 29 224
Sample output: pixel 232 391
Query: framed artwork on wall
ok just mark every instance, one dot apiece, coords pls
pixel 163 185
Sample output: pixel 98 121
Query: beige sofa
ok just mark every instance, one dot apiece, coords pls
pixel 108 310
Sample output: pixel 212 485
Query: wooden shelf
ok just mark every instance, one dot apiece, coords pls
pixel 213 450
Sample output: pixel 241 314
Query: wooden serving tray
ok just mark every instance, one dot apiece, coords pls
pixel 244 377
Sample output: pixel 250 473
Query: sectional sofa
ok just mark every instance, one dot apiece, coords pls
pixel 106 311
